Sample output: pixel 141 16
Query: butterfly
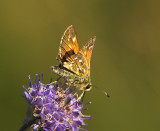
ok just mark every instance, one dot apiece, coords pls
pixel 74 63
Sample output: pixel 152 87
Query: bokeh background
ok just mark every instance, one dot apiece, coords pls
pixel 125 60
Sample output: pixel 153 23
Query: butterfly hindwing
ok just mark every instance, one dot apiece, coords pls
pixel 80 63
pixel 68 44
pixel 77 63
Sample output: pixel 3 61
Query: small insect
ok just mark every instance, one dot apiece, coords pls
pixel 74 63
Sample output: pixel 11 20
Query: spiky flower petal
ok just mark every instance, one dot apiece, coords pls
pixel 55 107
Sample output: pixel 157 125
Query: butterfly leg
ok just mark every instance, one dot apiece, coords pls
pixel 81 98
pixel 54 82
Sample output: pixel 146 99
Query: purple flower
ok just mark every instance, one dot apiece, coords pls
pixel 55 108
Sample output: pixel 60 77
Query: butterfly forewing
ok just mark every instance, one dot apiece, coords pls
pixel 87 50
pixel 68 44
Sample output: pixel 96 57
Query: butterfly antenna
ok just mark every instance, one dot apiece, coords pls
pixel 102 91
pixel 106 94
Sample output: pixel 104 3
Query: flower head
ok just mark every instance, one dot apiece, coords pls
pixel 56 108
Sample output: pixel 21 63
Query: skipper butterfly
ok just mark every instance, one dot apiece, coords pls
pixel 74 63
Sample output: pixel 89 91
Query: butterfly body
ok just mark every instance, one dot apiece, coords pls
pixel 74 63
pixel 72 79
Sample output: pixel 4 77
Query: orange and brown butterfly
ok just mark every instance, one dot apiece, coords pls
pixel 74 63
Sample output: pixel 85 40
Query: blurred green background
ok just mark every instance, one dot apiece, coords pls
pixel 125 60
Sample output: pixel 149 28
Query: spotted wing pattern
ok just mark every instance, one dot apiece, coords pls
pixel 68 44
pixel 77 63
pixel 80 63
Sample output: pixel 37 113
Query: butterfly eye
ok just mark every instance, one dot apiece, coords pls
pixel 88 87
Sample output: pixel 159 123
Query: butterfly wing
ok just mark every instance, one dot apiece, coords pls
pixel 87 50
pixel 80 63
pixel 77 64
pixel 68 44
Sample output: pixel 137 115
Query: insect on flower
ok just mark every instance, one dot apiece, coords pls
pixel 54 108
pixel 74 63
